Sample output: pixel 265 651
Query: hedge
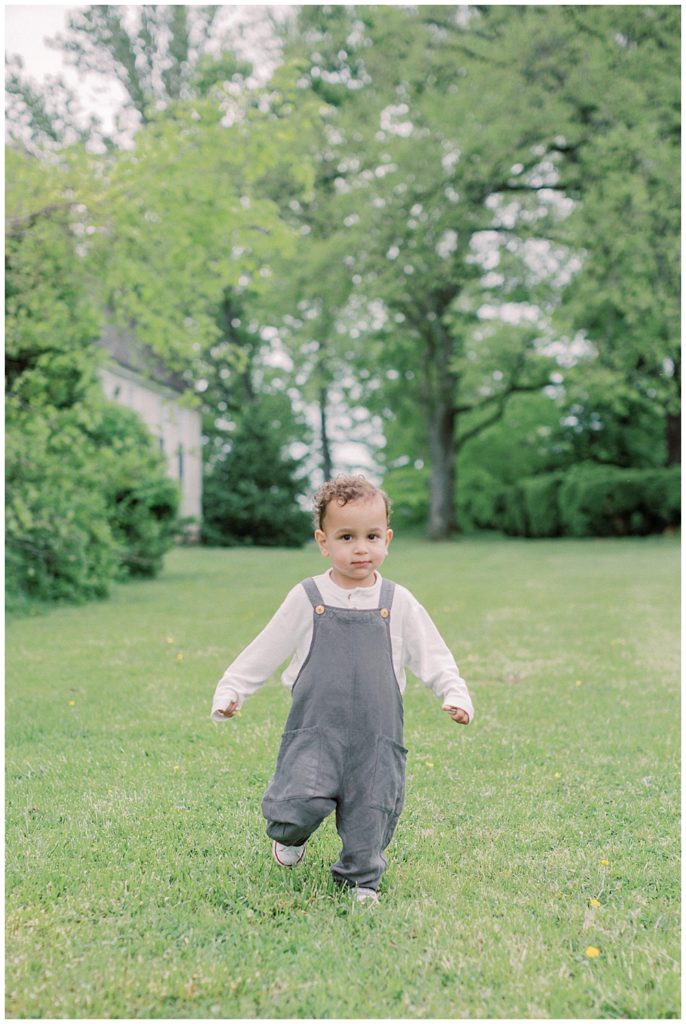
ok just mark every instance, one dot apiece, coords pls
pixel 603 501
pixel 592 501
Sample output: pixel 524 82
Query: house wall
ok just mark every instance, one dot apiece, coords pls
pixel 178 429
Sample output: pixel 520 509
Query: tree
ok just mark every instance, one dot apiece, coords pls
pixel 160 54
pixel 424 171
pixel 623 145
pixel 459 167
pixel 88 499
pixel 251 491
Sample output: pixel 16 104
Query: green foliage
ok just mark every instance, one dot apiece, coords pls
pixel 250 491
pixel 88 499
pixel 605 501
pixel 512 518
pixel 142 501
pixel 624 102
pixel 88 502
pixel 590 500
pixel 408 488
pixel 541 504
pixel 479 504
pixel 59 542
pixel 530 508
pixel 431 256
pixel 154 59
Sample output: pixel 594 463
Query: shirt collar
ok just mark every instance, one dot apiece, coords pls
pixel 347 591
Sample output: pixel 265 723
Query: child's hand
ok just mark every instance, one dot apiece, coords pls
pixel 458 715
pixel 230 711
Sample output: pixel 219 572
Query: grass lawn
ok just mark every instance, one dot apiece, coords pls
pixel 139 877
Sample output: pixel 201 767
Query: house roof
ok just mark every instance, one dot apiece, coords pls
pixel 125 350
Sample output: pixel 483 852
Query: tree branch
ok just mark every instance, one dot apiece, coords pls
pixel 497 414
pixel 17 225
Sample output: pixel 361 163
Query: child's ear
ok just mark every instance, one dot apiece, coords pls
pixel 389 536
pixel 320 538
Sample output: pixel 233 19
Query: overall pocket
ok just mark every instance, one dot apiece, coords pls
pixel 297 766
pixel 388 782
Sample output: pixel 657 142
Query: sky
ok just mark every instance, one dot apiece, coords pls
pixel 27 26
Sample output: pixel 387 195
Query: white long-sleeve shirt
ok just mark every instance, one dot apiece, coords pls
pixel 415 642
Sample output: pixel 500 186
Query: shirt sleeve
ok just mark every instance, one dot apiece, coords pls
pixel 428 656
pixel 256 663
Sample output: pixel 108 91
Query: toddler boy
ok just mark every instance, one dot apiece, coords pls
pixel 350 634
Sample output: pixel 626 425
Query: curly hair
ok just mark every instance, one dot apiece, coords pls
pixel 343 489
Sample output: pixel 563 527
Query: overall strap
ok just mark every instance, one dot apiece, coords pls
pixel 312 591
pixel 386 594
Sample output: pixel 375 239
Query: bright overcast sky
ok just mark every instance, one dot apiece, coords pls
pixel 26 27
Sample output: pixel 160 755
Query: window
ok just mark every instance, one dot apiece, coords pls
pixel 179 456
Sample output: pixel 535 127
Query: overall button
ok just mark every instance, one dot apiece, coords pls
pixel 385 613
pixel 320 609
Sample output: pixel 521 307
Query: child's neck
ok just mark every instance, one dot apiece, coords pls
pixel 347 584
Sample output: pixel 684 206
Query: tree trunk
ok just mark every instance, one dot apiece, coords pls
pixel 439 388
pixel 327 464
pixel 673 439
pixel 442 452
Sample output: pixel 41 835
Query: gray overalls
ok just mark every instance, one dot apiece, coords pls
pixel 342 744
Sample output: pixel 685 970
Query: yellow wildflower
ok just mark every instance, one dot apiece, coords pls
pixel 429 764
pixel 605 863
pixel 595 903
pixel 179 656
pixel 592 951
pixel 71 703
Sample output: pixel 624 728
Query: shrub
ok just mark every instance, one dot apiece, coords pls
pixel 88 502
pixel 540 499
pixel 608 501
pixel 593 500
pixel 59 544
pixel 513 515
pixel 142 502
pixel 480 500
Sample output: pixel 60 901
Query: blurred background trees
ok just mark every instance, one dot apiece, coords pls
pixel 436 243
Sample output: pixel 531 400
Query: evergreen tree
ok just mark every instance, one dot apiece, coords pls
pixel 251 492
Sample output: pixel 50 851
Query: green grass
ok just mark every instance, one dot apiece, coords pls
pixel 139 879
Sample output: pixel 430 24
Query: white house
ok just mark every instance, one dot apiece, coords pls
pixel 135 377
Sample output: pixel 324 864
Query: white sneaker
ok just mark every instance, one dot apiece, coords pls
pixel 287 856
pixel 364 895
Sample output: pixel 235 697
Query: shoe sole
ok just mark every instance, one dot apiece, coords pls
pixel 282 863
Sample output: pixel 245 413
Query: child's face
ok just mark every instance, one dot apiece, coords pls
pixel 355 537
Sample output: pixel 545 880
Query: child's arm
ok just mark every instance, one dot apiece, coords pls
pixel 429 657
pixel 256 663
